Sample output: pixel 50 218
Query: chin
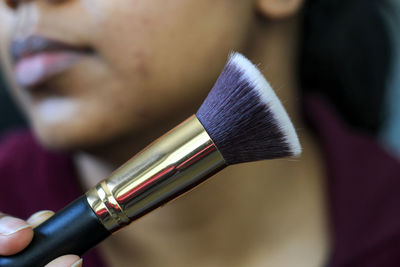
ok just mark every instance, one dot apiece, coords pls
pixel 79 133
pixel 59 138
pixel 65 136
pixel 76 130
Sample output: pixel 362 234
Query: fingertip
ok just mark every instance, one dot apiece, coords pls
pixel 15 235
pixel 39 217
pixel 78 263
pixel 66 261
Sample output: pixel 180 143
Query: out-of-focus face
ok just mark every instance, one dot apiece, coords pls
pixel 116 67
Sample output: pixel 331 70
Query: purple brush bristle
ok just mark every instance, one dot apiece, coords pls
pixel 244 117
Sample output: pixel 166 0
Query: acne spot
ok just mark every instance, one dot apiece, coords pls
pixel 143 70
pixel 147 21
pixel 143 113
pixel 142 67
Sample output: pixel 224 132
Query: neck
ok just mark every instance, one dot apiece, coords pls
pixel 274 46
pixel 275 208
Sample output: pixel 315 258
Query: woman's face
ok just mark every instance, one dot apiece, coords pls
pixel 116 67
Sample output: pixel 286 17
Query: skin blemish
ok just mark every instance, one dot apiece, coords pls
pixel 143 70
pixel 142 67
pixel 147 21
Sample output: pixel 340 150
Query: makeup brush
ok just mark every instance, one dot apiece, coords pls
pixel 241 120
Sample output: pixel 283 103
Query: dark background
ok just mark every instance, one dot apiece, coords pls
pixel 9 113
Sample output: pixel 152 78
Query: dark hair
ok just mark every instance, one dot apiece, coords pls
pixel 345 56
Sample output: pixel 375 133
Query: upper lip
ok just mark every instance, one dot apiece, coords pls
pixel 34 44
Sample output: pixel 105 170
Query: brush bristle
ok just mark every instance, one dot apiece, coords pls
pixel 244 117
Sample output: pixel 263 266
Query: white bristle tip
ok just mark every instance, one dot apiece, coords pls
pixel 268 96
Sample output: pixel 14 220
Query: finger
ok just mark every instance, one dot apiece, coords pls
pixel 39 217
pixel 15 234
pixel 66 261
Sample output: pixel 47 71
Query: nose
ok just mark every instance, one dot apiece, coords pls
pixel 14 3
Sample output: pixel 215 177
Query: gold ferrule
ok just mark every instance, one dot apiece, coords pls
pixel 173 164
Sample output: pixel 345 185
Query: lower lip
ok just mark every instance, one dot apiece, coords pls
pixel 33 70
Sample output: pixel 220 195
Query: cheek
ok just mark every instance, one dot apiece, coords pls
pixel 7 20
pixel 169 41
pixel 166 56
pixel 97 9
pixel 156 62
pixel 80 122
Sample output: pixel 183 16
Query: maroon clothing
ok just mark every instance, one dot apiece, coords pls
pixel 363 189
pixel 34 179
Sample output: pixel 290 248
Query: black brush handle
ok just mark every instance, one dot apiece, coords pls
pixel 73 230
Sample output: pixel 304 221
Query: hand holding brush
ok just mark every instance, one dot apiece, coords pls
pixel 240 121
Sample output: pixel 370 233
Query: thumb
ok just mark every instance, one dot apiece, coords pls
pixel 15 234
pixel 66 261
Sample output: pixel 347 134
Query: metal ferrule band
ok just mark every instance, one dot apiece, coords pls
pixel 173 164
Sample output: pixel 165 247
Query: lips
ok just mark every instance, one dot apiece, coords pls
pixel 37 59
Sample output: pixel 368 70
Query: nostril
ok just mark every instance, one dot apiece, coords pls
pixel 12 3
